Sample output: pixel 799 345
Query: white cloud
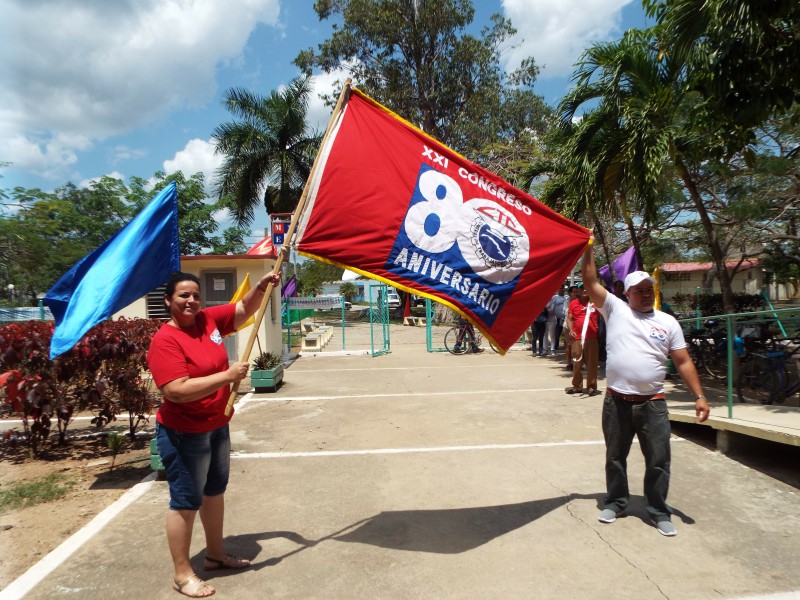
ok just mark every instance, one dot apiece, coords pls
pixel 223 217
pixel 319 114
pixel 113 175
pixel 556 33
pixel 81 71
pixel 123 153
pixel 197 156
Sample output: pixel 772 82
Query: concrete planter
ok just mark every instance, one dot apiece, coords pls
pixel 266 380
pixel 155 460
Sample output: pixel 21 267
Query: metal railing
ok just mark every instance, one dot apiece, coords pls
pixel 779 327
pixel 19 314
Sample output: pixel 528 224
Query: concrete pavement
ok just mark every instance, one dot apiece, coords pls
pixel 426 475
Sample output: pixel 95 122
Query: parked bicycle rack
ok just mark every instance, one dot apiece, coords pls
pixel 721 345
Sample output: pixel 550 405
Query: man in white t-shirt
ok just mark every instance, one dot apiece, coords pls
pixel 639 341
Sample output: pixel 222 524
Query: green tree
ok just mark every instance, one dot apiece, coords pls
pixel 3 191
pixel 268 152
pixel 52 231
pixel 415 57
pixel 769 194
pixel 740 56
pixel 643 139
pixel 349 290
pixel 230 242
pixel 196 212
pixel 312 274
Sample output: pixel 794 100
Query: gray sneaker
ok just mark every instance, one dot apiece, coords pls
pixel 607 516
pixel 666 528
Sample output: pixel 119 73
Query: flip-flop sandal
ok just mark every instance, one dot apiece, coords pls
pixel 192 586
pixel 229 562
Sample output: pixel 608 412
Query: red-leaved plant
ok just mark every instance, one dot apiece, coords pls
pixel 102 373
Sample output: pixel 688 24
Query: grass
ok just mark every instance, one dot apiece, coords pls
pixel 25 494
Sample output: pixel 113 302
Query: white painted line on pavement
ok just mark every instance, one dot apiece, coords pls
pixel 121 420
pixel 415 450
pixel 778 596
pixel 33 576
pixel 249 398
pixel 311 371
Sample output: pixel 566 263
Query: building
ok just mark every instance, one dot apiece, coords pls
pixel 220 277
pixel 749 278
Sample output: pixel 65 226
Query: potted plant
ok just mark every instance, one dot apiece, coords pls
pixel 266 372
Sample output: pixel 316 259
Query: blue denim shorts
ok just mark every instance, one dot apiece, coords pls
pixel 197 464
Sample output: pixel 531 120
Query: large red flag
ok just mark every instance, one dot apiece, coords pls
pixel 392 203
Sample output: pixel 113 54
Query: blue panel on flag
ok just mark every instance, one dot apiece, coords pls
pixel 277 239
pixel 472 251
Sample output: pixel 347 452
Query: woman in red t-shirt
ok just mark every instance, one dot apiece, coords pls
pixel 190 367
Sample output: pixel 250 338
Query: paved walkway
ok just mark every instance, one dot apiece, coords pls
pixel 428 476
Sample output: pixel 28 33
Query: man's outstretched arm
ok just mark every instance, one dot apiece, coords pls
pixel 597 293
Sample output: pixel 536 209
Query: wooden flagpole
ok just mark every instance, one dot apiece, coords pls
pixel 287 242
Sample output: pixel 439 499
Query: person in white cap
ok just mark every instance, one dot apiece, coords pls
pixel 639 341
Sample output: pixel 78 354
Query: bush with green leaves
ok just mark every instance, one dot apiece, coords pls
pixel 711 303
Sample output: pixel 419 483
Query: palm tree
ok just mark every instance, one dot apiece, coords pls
pixel 575 184
pixel 626 136
pixel 349 290
pixel 268 152
pixel 743 55
pixel 638 136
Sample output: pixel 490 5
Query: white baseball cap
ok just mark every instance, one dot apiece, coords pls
pixel 636 278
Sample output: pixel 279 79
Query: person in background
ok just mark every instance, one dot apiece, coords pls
pixel 619 290
pixel 466 336
pixel 640 339
pixel 582 325
pixel 572 293
pixel 189 364
pixel 537 333
pixel 601 338
pixel 555 320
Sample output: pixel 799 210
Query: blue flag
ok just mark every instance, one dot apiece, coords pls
pixel 135 261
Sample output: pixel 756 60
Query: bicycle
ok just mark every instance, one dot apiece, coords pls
pixel 462 338
pixel 767 375
pixel 708 348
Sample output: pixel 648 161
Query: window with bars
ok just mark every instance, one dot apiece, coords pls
pixel 678 276
pixel 156 308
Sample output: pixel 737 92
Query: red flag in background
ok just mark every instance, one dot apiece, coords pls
pixel 391 203
pixel 263 248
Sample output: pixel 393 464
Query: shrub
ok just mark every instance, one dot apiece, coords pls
pixel 711 304
pixel 102 373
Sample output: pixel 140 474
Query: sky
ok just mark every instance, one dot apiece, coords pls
pixel 130 87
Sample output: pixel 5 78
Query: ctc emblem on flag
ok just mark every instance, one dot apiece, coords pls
pixel 445 242
pixel 489 237
pixel 497 241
